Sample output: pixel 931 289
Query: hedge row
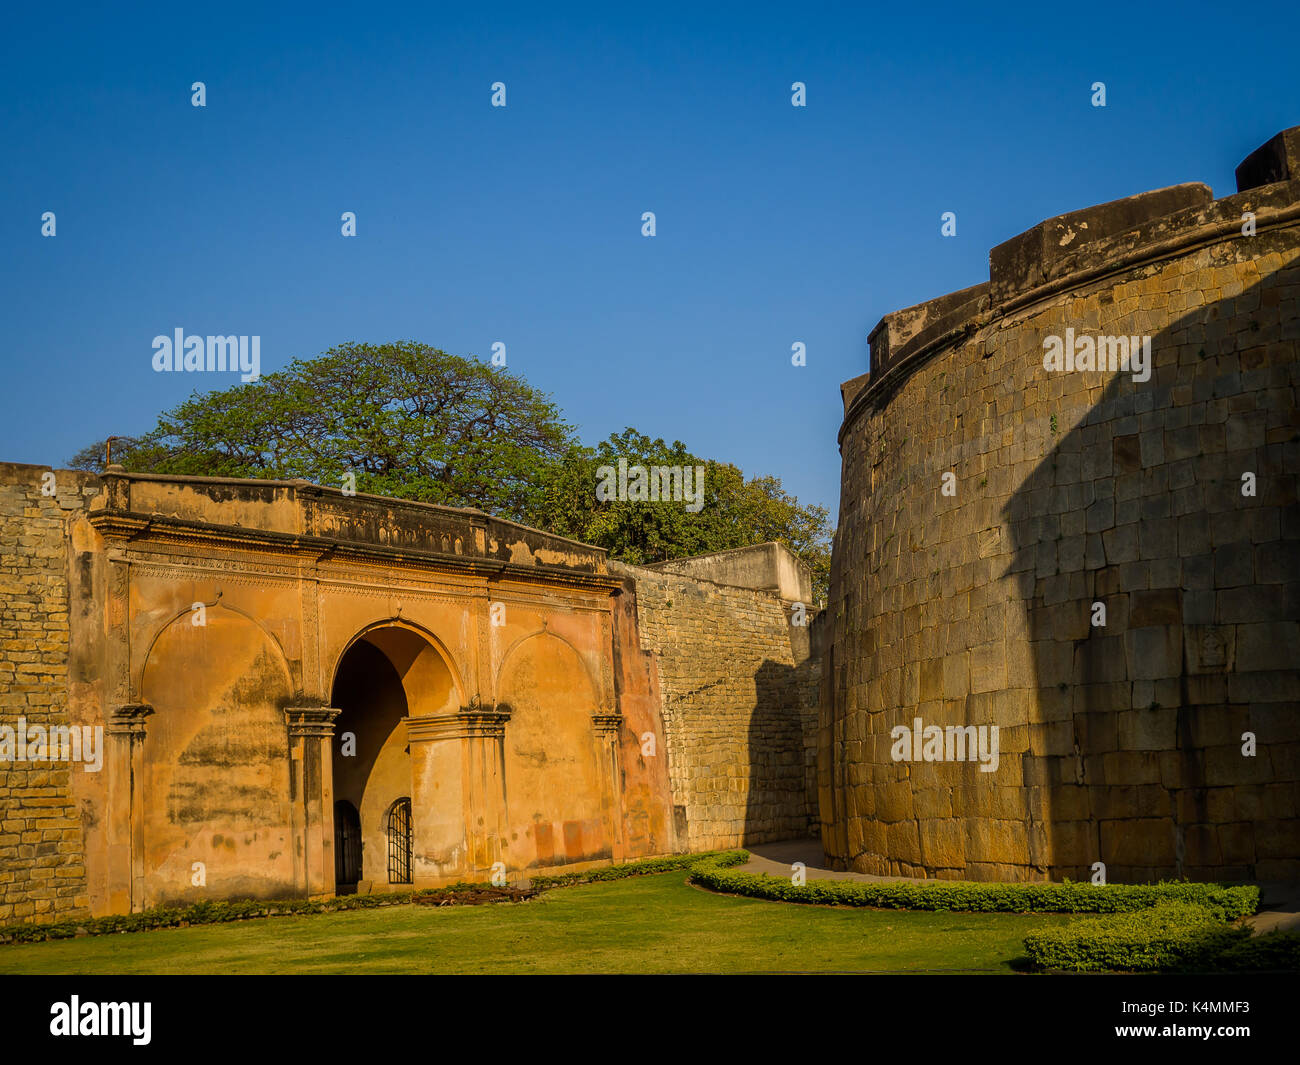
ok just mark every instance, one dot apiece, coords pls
pixel 1170 926
pixel 1271 952
pixel 214 913
pixel 1225 902
pixel 221 912
pixel 643 867
pixel 1169 937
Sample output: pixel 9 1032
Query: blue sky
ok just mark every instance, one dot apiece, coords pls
pixel 522 224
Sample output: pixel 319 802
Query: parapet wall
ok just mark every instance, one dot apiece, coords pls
pixel 290 512
pixel 969 600
pixel 770 567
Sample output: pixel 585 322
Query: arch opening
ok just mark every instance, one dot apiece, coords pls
pixel 386 676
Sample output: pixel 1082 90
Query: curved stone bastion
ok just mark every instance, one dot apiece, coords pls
pixel 1063 621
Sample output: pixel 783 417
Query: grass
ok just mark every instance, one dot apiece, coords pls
pixel 649 924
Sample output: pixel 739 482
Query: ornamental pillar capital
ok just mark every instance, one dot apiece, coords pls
pixel 311 720
pixel 129 719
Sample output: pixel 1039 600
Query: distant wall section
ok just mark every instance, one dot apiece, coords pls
pixel 738 684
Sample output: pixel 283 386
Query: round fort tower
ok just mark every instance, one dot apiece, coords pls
pixel 1064 617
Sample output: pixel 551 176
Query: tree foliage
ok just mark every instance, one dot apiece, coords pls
pixel 414 422
pixel 404 419
pixel 736 512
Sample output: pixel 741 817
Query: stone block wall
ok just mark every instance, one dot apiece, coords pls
pixel 42 868
pixel 1124 742
pixel 738 685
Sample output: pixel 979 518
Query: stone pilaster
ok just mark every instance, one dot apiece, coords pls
pixel 457 792
pixel 607 727
pixel 126 731
pixel 311 797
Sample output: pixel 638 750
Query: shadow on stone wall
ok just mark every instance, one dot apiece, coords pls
pixel 782 795
pixel 1135 748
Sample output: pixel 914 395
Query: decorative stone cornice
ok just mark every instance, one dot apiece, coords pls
pixel 311 720
pixel 128 527
pixel 467 723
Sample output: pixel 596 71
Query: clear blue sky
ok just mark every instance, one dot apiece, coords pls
pixel 523 225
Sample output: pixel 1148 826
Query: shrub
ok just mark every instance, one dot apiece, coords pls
pixel 1224 902
pixel 1271 952
pixel 644 867
pixel 1167 936
pixel 214 913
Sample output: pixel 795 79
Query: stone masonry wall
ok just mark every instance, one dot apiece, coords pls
pixel 1123 742
pixel 739 708
pixel 42 869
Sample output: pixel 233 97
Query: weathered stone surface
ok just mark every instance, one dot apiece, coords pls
pixel 38 805
pixel 739 683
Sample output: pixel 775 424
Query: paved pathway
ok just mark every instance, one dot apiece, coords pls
pixel 1279 903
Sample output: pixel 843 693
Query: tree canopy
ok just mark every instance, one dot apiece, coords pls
pixel 403 419
pixel 411 421
pixel 736 512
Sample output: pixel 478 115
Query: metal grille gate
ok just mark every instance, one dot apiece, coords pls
pixel 399 842
pixel 347 843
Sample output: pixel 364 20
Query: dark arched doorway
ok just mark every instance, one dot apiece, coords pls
pixel 388 674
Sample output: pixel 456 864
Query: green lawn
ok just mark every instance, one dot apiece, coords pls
pixel 650 924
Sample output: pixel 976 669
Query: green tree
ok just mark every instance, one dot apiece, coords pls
pixel 404 419
pixel 736 512
pixel 414 422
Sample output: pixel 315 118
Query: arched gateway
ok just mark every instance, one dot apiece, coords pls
pixel 388 675
pixel 307 692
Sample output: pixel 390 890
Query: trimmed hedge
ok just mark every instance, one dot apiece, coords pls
pixel 1167 936
pixel 221 912
pixel 1271 952
pixel 1169 926
pixel 214 913
pixel 643 867
pixel 1225 902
